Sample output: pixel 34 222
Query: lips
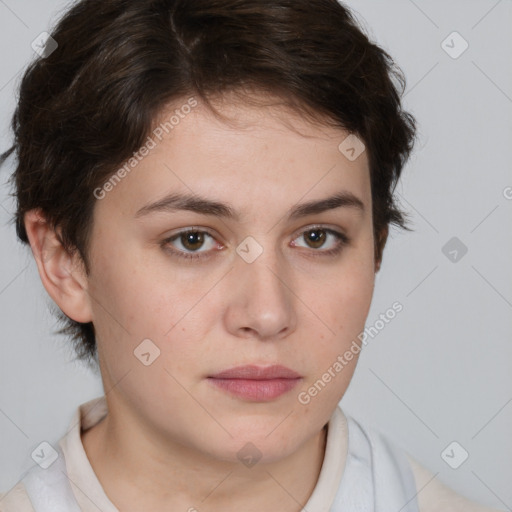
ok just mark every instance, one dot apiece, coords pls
pixel 256 383
pixel 253 372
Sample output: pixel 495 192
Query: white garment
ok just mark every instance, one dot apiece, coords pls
pixel 376 477
pixel 49 489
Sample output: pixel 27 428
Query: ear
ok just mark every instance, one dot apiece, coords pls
pixel 62 273
pixel 380 243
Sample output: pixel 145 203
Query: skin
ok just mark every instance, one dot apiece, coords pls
pixel 170 437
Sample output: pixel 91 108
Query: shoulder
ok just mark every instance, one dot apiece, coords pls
pixel 410 479
pixel 15 500
pixel 433 495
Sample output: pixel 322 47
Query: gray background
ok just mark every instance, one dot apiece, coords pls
pixel 441 371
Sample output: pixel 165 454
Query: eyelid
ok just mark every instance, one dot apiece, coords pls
pixel 190 229
pixel 312 227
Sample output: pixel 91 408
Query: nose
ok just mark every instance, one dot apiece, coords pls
pixel 262 304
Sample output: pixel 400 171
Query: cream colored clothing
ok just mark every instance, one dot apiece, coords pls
pixel 86 489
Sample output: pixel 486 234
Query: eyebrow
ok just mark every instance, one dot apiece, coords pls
pixel 204 206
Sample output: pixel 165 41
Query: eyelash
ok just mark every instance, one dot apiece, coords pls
pixel 343 241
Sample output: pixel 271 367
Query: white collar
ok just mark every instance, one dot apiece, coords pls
pixel 90 494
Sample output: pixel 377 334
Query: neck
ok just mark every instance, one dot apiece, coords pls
pixel 137 474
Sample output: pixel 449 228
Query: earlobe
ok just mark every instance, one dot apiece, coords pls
pixel 61 273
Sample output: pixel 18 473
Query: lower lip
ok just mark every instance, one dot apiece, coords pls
pixel 256 390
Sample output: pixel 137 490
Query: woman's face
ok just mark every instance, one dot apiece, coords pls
pixel 262 279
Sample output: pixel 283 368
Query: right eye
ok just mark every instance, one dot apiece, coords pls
pixel 189 242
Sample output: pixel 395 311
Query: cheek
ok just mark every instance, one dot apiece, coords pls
pixel 127 310
pixel 333 360
pixel 133 291
pixel 354 302
pixel 347 297
pixel 137 302
pixel 342 310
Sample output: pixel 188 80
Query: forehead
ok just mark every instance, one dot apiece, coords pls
pixel 258 156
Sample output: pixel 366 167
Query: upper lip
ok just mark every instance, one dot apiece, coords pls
pixel 254 372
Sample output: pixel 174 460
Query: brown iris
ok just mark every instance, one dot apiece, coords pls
pixel 192 240
pixel 316 236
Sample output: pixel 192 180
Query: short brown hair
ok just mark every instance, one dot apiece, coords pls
pixel 85 108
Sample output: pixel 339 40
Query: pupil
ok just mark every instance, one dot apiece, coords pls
pixel 193 240
pixel 317 237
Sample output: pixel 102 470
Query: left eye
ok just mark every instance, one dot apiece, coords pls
pixel 316 238
pixel 190 242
